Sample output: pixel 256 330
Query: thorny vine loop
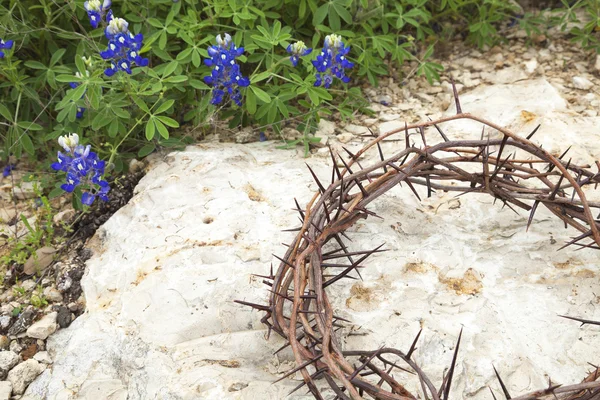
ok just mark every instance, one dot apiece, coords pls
pixel 299 309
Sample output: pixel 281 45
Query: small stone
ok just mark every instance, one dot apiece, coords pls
pixel 597 64
pixel 4 342
pixel 28 285
pixel 356 129
pixel 15 347
pixel 591 113
pixel 23 374
pixel 64 317
pixel 425 97
pixel 370 121
pixel 64 283
pixel 53 295
pixel 43 357
pixel 345 137
pixel 384 99
pixel 64 216
pixel 25 191
pixel 7 215
pixel 236 387
pixel 5 390
pixel 44 327
pixel 135 166
pixel 29 351
pixel 8 359
pixel 326 128
pixel 40 261
pixel 582 83
pixel 22 323
pixel 531 66
pixel 389 117
pixel 476 64
pixel 4 321
pixel 390 126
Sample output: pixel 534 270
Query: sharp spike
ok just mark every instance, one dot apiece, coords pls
pixel 253 305
pixel 502 385
pixel 414 344
pixel 381 156
pixel 551 166
pixel 440 132
pixel 583 321
pixel 321 188
pixel 533 132
pixel 533 208
pixel 452 366
pixel 455 92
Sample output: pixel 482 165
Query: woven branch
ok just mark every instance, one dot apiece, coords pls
pixel 520 174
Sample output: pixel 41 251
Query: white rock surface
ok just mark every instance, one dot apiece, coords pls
pixel 161 322
pixel 8 359
pixel 23 374
pixel 582 83
pixel 5 390
pixel 44 327
pixel 43 357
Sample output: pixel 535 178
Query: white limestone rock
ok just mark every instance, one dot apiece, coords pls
pixel 161 321
pixel 23 374
pixel 582 83
pixel 8 359
pixel 5 390
pixel 44 327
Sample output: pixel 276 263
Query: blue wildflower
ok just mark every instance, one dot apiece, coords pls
pixel 123 46
pixel 8 170
pixel 225 77
pixel 332 61
pixel 83 167
pixel 298 50
pixel 96 10
pixel 5 46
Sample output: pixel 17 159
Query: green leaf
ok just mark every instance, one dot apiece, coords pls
pixel 168 121
pixel 57 56
pixel 146 149
pixel 35 64
pixel 320 14
pixel 27 144
pixel 164 106
pixel 150 129
pixel 162 130
pixel 250 102
pixel 170 68
pixel 260 77
pixel 261 94
pixel 140 103
pixel 29 126
pixel 176 79
pixel 5 113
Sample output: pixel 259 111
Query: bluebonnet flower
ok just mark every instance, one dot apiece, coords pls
pixel 123 46
pixel 5 46
pixel 298 50
pixel 83 167
pixel 225 76
pixel 8 170
pixel 96 10
pixel 332 61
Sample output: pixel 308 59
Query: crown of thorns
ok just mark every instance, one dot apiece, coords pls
pixel 299 309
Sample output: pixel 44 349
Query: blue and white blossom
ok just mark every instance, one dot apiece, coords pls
pixel 123 47
pixel 332 61
pixel 96 10
pixel 83 168
pixel 298 50
pixel 226 77
pixel 5 45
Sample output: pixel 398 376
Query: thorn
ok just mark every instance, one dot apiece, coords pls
pixel 351 267
pixel 284 261
pixel 506 394
pixel 410 185
pixel 533 132
pixel 321 188
pixel 452 366
pixel 406 136
pixel 253 305
pixel 299 209
pixel 551 166
pixel 414 343
pixel 533 208
pixel 455 92
pixel 422 131
pixel 557 187
pixel 381 156
pixel 360 186
pixel 583 321
pixel 440 132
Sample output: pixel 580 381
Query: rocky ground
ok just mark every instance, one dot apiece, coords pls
pixel 570 75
